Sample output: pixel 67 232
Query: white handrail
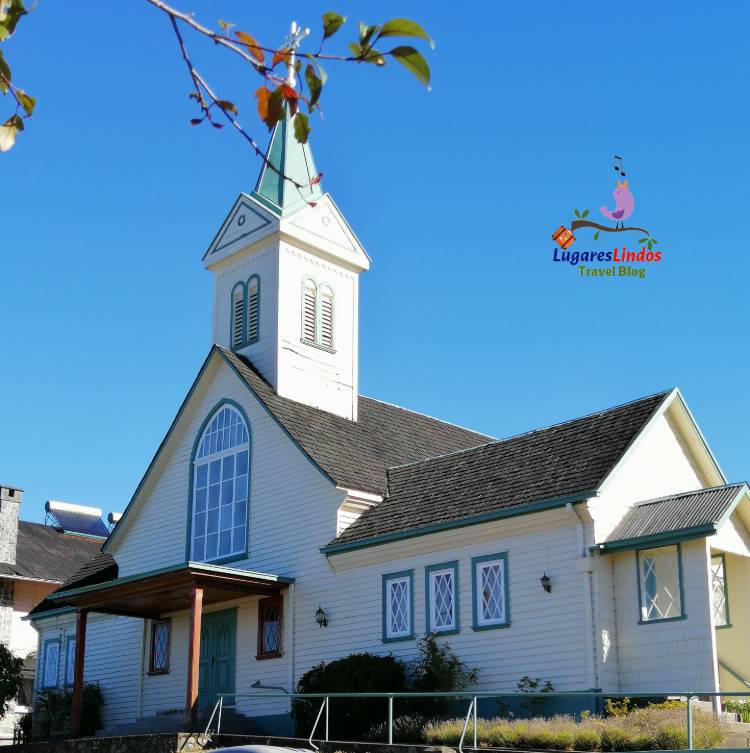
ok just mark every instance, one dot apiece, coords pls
pixel 323 705
pixel 217 708
pixel 466 726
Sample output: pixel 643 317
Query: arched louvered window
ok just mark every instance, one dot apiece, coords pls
pixel 309 311
pixel 237 321
pixel 253 309
pixel 325 295
pixel 221 472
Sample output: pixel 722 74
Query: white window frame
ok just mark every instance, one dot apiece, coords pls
pixel 70 660
pixel 432 574
pixel 649 611
pixel 390 579
pixel 47 664
pixel 478 565
pixel 719 580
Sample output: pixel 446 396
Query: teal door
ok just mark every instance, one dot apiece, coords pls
pixel 217 663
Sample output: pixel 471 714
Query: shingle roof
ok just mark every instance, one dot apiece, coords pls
pixel 356 454
pixel 45 553
pixel 700 510
pixel 568 459
pixel 99 568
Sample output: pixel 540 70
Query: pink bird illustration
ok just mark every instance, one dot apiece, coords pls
pixel 625 203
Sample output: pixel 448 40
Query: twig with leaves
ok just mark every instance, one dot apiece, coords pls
pixel 581 221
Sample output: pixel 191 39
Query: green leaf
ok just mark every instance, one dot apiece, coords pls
pixel 225 25
pixel 5 71
pixel 332 22
pixel 10 13
pixel 403 27
pixel 27 102
pixel 365 33
pixel 654 241
pixel 642 240
pixel 650 244
pixel 301 127
pixel 413 61
pixel 577 213
pixel 7 137
pixel 584 214
pixel 314 84
pixel 596 235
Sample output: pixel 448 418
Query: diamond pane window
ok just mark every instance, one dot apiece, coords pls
pixel 220 486
pixel 51 662
pixel 397 607
pixel 269 627
pixel 70 660
pixel 490 591
pixel 160 634
pixel 660 589
pixel 441 594
pixel 720 604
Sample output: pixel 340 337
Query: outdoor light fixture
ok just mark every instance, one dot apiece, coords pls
pixel 320 618
pixel 546 583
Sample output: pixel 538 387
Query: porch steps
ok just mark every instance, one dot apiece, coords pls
pixel 232 722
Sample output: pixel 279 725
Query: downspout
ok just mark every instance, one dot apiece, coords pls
pixel 586 568
pixel 290 636
pixel 142 673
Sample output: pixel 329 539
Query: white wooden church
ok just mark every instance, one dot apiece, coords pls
pixel 285 519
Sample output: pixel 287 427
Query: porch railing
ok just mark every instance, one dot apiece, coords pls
pixel 471 713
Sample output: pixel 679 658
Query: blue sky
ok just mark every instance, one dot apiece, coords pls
pixel 110 199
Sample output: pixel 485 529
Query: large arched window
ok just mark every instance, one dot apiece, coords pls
pixel 220 488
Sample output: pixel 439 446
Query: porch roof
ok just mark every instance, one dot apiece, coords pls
pixel 159 592
pixel 679 517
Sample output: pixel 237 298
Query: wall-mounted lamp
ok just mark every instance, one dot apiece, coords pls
pixel 546 583
pixel 320 618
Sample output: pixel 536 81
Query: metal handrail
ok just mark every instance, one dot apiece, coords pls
pixel 689 696
pixel 217 708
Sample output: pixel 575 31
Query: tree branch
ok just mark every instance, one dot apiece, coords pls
pixel 606 228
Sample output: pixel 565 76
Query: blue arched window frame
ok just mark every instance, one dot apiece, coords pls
pixel 237 553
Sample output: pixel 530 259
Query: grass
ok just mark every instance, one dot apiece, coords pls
pixel 641 729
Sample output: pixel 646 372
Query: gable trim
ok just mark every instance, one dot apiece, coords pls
pixel 448 525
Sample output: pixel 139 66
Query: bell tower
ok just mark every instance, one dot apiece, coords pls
pixel 286 267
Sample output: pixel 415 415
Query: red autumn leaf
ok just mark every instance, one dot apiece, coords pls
pixel 283 54
pixel 263 95
pixel 252 46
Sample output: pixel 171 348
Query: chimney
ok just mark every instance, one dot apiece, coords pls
pixel 10 501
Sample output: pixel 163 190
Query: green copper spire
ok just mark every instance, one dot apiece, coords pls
pixel 293 160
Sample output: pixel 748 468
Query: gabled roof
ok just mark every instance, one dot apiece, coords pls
pixel 544 468
pixel 44 553
pixel 690 515
pixel 99 568
pixel 356 454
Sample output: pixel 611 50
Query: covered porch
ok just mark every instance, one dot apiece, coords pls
pixel 153 596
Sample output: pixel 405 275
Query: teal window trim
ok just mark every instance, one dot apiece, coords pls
pixel 728 623
pixel 683 614
pixel 42 680
pixel 475 563
pixel 70 639
pixel 386 579
pixel 254 339
pixel 453 566
pixel 191 481
pixel 237 344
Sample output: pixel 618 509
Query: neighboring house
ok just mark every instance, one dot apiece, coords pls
pixel 286 520
pixel 34 560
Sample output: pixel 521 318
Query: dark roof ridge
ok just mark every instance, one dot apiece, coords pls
pixel 426 415
pixel 692 493
pixel 535 431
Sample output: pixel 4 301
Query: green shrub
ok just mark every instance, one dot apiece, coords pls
pixel 671 738
pixel 11 677
pixel 350 719
pixel 51 717
pixel 408 728
pixel 739 707
pixel 586 739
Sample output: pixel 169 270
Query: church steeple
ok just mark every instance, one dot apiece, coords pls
pixel 295 161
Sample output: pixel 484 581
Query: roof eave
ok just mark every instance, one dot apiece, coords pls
pixel 447 525
pixel 657 539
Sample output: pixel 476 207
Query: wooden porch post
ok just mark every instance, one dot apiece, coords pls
pixel 194 653
pixel 75 712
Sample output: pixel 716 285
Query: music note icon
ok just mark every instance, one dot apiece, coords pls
pixel 619 169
